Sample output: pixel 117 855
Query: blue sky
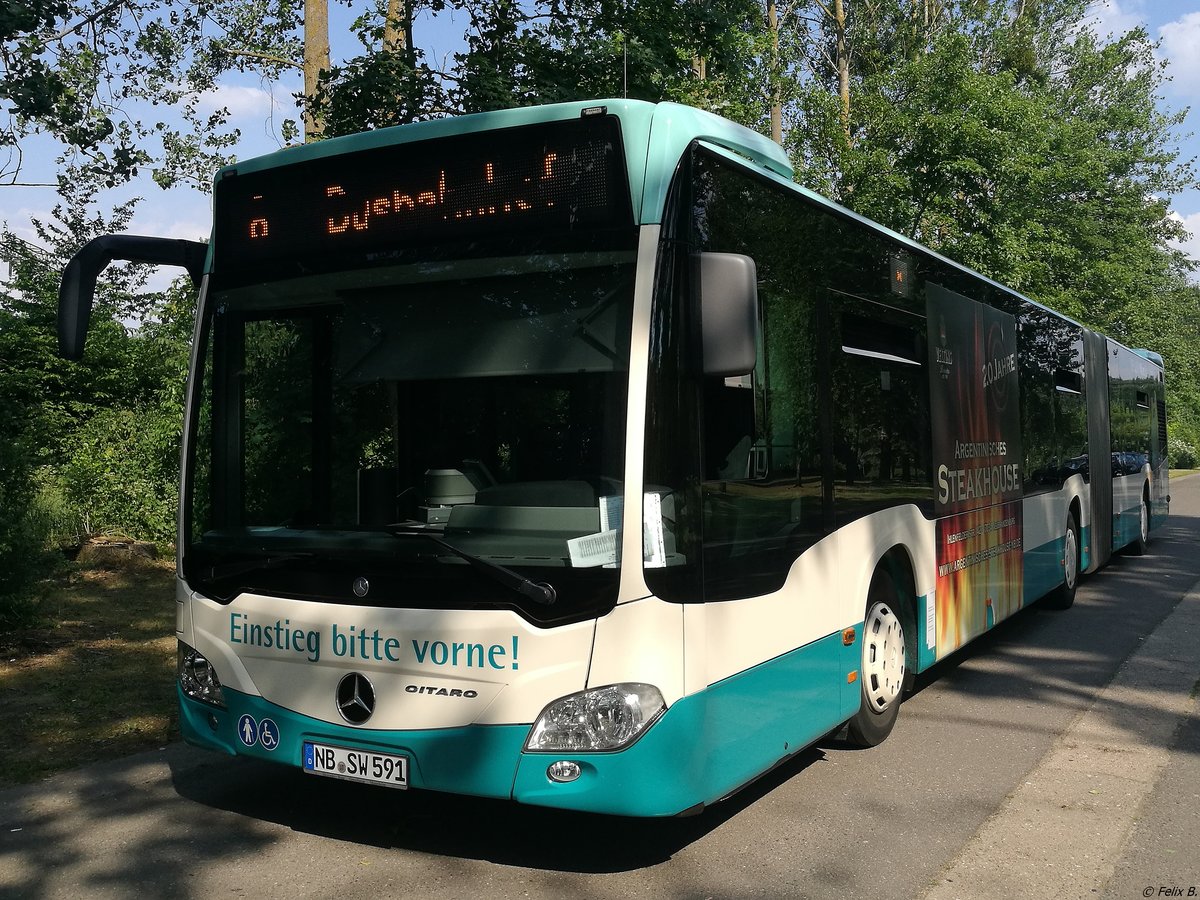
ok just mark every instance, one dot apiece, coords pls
pixel 1175 24
pixel 258 108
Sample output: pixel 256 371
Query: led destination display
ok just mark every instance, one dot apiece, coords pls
pixel 557 177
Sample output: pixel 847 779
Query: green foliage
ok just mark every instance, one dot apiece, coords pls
pixel 122 469
pixel 19 543
pixel 705 54
pixel 83 73
pixel 99 439
pixel 53 514
pixel 377 90
pixel 57 72
pixel 1181 454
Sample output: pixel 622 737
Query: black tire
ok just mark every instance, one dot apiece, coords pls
pixel 882 675
pixel 1142 541
pixel 1063 596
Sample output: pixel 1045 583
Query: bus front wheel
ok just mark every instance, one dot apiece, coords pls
pixel 1063 596
pixel 883 668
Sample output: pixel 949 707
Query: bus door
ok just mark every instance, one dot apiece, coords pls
pixel 1099 447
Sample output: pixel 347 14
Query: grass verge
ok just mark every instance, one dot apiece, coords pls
pixel 95 679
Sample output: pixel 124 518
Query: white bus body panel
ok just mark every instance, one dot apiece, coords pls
pixel 494 667
pixel 1044 516
pixel 825 592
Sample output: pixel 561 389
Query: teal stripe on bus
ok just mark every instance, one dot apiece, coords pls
pixel 1043 569
pixel 475 759
pixel 702 748
pixel 709 743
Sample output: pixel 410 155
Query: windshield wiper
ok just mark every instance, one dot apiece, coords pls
pixel 233 569
pixel 538 592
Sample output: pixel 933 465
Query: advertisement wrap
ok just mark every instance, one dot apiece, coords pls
pixel 977 470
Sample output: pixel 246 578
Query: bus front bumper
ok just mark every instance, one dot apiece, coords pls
pixel 653 777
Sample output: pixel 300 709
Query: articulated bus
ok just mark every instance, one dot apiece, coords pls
pixel 439 368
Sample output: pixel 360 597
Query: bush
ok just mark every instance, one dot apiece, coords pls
pixel 52 513
pixel 122 473
pixel 1181 454
pixel 20 542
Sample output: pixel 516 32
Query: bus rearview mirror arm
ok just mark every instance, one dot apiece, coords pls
pixel 728 312
pixel 78 287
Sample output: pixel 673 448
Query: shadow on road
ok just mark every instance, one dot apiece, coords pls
pixel 456 826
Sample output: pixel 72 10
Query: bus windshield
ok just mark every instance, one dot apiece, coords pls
pixel 479 401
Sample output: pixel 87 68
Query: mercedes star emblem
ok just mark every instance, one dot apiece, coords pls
pixel 355 698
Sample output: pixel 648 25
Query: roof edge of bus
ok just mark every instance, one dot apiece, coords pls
pixel 675 125
pixel 1151 355
pixel 699 125
pixel 448 126
pixel 913 244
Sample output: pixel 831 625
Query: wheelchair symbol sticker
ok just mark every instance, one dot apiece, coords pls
pixel 268 734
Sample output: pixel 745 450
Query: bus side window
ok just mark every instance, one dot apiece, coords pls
pixel 762 476
pixel 881 435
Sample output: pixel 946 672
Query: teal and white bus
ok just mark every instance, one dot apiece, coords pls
pixel 439 368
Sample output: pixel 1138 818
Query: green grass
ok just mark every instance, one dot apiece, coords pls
pixel 94 679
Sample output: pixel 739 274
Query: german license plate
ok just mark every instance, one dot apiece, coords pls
pixel 356 765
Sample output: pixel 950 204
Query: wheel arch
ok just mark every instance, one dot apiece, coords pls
pixel 898 565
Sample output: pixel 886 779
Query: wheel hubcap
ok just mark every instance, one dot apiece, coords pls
pixel 883 657
pixel 1071 560
pixel 1145 523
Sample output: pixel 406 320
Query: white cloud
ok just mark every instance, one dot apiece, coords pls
pixel 1111 19
pixel 1190 246
pixel 154 218
pixel 240 100
pixel 191 231
pixel 20 223
pixel 1181 47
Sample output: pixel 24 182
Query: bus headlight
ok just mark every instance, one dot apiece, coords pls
pixel 606 718
pixel 197 678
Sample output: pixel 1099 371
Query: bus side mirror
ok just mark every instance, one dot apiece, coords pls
pixel 78 287
pixel 728 284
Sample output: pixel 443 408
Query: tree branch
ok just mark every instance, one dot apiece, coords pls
pixel 265 57
pixel 825 9
pixel 84 21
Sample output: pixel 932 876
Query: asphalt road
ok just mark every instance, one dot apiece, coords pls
pixel 973 787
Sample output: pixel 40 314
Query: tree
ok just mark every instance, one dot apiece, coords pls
pixel 64 416
pixel 1007 136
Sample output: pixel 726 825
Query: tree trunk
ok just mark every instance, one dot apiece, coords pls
pixel 843 65
pixel 397 29
pixel 316 58
pixel 776 101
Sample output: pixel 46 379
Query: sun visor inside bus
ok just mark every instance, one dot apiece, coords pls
pixel 421 337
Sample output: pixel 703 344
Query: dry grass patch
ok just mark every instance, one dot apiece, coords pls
pixel 97 681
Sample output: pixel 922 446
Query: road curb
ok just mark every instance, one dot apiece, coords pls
pixel 1061 832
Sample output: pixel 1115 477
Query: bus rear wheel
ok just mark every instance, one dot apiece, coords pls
pixel 1140 543
pixel 882 674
